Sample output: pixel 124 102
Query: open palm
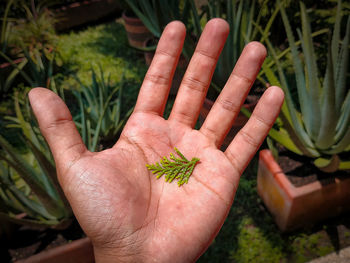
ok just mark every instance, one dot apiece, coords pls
pixel 129 214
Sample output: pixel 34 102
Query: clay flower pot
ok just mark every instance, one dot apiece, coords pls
pixel 240 121
pixel 294 207
pixel 78 251
pixel 137 32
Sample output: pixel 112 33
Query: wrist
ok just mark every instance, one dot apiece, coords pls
pixel 107 255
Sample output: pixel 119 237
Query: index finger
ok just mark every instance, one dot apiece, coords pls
pixel 155 87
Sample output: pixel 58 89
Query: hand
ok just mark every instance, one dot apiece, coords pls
pixel 128 214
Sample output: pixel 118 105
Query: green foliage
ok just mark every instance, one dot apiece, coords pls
pixel 28 181
pixel 104 46
pixel 306 245
pixel 30 48
pixel 318 126
pixel 179 168
pixel 35 32
pixel 5 28
pixel 100 118
pixel 36 72
pixel 7 76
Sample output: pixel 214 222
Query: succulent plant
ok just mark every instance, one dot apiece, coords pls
pixel 319 127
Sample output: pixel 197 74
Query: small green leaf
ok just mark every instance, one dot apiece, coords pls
pixel 179 168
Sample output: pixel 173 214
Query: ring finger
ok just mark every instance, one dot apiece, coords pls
pixel 227 106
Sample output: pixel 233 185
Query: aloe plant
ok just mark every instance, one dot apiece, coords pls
pixel 28 181
pixel 320 129
pixel 100 104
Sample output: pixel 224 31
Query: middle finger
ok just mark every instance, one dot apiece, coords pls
pixel 198 75
pixel 227 106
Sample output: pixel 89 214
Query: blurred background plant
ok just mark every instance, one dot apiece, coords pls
pixel 35 32
pixel 29 189
pixel 100 118
pixel 29 45
pixel 8 74
pixel 316 122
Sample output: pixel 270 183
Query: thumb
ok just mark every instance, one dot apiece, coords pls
pixel 58 128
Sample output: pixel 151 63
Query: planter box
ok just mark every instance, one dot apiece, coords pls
pixel 78 251
pixel 77 14
pixel 240 121
pixel 294 207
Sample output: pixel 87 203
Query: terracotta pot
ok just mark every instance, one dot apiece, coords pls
pixel 78 251
pixel 240 121
pixel 137 32
pixel 294 207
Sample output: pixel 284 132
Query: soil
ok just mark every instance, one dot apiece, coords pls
pixel 27 241
pixel 301 171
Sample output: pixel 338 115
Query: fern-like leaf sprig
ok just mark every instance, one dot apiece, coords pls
pixel 176 168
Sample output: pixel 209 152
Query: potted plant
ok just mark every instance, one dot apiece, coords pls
pixel 135 28
pixel 316 128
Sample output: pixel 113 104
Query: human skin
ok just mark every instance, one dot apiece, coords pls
pixel 128 214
